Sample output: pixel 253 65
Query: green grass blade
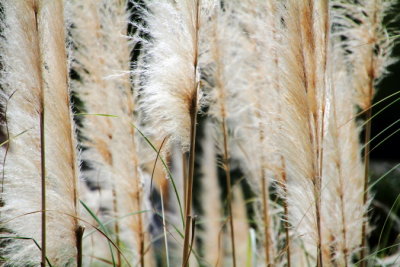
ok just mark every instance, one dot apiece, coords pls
pixel 384 140
pixel 380 133
pixel 168 171
pixel 380 111
pixel 102 227
pixel 116 219
pixel 395 203
pixel 251 249
pixel 383 176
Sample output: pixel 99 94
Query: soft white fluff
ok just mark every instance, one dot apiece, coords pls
pixel 60 144
pixel 170 79
pixel 256 86
pixel 368 42
pixel 34 61
pixel 343 177
pixel 222 65
pixel 303 120
pixel 21 74
pixel 102 61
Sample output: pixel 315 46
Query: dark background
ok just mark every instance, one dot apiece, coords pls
pixel 385 213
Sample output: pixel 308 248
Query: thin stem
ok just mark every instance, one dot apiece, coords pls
pixel 193 123
pixel 366 178
pixel 141 236
pixel 228 188
pixel 140 218
pixel 184 176
pixel 317 189
pixel 79 235
pixel 266 217
pixel 116 225
pixel 43 182
pixel 42 147
pixel 324 6
pixel 189 188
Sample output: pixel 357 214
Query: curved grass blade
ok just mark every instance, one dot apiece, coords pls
pixel 102 227
pixel 116 219
pixel 392 211
pixel 168 171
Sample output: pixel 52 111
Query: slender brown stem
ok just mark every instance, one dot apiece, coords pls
pixel 317 196
pixel 79 235
pixel 140 222
pixel 140 226
pixel 184 176
pixel 43 182
pixel 318 215
pixel 317 193
pixel 193 227
pixel 193 124
pixel 266 217
pixel 137 196
pixel 363 262
pixel 229 190
pixel 42 147
pixel 116 225
pixel 189 188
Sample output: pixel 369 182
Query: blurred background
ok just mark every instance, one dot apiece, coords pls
pixel 385 156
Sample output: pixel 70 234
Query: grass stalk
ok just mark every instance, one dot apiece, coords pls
pixel 42 152
pixel 228 189
pixel 43 184
pixel 116 225
pixel 189 188
pixel 317 190
pixel 366 179
pixel 266 217
pixel 79 237
pixel 140 222
pixel 184 176
pixel 193 123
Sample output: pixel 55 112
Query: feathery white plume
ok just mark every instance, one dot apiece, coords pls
pixel 368 48
pixel 259 153
pixel 342 198
pixel 303 119
pixel 39 72
pixel 367 41
pixel 21 90
pixel 171 78
pixel 102 60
